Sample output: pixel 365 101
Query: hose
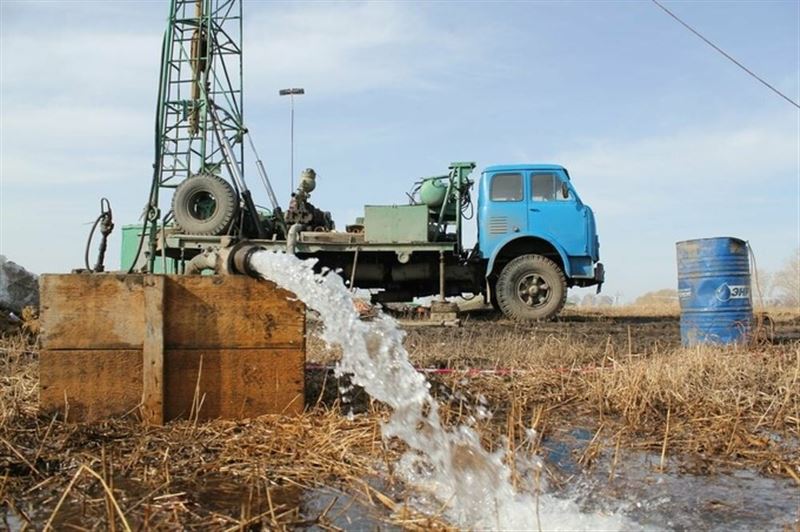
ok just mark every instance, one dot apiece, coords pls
pixel 106 219
pixel 151 210
pixel 466 205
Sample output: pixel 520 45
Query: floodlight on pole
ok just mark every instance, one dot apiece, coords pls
pixel 291 94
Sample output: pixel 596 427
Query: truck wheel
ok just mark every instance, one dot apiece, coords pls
pixel 204 205
pixel 531 287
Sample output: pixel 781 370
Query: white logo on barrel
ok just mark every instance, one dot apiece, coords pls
pixel 727 292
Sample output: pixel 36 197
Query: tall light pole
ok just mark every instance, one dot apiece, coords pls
pixel 291 94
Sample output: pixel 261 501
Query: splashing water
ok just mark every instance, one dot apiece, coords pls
pixel 471 484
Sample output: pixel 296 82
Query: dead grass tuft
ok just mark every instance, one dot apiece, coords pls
pixel 264 473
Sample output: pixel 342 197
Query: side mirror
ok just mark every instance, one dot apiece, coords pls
pixel 564 190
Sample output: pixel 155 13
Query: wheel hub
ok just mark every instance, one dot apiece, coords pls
pixel 533 290
pixel 202 205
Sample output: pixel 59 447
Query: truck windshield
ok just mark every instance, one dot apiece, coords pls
pixel 506 187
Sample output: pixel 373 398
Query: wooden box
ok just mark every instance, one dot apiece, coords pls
pixel 170 346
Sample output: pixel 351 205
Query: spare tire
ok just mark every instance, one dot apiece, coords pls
pixel 204 204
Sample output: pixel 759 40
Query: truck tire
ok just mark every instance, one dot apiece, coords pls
pixel 204 205
pixel 531 288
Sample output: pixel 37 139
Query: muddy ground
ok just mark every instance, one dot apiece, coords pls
pixel 623 329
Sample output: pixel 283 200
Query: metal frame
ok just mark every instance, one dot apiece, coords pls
pixel 200 100
pixel 195 242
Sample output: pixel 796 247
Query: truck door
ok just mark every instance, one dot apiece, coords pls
pixel 555 211
pixel 505 212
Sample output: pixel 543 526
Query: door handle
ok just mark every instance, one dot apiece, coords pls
pixel 535 210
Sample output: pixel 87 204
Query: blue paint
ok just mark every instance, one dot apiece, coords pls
pixel 544 210
pixel 714 291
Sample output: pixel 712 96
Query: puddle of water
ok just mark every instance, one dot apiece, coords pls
pixel 673 500
pixel 453 473
pixel 742 500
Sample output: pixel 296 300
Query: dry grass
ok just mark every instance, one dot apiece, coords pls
pixel 714 406
pixel 623 376
pixel 709 407
pixel 263 473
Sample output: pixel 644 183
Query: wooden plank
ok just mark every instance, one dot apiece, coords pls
pixel 90 385
pixel 230 312
pixel 91 311
pixel 153 351
pixel 102 331
pixel 237 383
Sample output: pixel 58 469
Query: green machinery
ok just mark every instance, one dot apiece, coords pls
pixel 200 140
pixel 199 130
pixel 439 203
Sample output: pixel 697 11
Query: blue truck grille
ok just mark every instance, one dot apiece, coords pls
pixel 498 225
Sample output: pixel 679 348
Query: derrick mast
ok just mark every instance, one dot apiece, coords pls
pixel 199 120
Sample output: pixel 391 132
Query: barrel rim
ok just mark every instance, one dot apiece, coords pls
pixel 678 243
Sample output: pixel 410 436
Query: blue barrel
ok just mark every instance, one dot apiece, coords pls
pixel 714 291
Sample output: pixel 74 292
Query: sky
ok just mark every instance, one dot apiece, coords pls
pixel 664 138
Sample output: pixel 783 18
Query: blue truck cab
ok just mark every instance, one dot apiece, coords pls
pixel 537 239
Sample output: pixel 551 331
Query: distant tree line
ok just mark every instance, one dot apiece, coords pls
pixel 773 289
pixel 780 288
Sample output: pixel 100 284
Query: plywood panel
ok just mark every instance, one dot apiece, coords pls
pixel 230 312
pixel 237 383
pixel 94 384
pixel 92 311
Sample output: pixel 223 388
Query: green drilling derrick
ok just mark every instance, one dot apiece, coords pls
pixel 199 118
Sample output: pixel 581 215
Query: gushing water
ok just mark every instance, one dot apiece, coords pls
pixel 472 485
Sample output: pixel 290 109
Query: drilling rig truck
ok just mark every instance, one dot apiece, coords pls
pixel 536 238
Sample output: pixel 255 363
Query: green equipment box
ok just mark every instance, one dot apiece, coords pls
pixel 396 223
pixel 131 234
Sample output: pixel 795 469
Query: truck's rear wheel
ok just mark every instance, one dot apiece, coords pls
pixel 204 204
pixel 531 287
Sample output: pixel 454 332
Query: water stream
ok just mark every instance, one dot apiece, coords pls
pixel 448 466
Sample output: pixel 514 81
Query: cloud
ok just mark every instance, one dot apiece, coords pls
pixel 730 178
pixel 344 48
pixel 82 97
pixel 77 101
pixel 56 144
pixel 64 65
pixel 694 166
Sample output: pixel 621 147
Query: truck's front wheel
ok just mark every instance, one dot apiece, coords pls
pixel 531 287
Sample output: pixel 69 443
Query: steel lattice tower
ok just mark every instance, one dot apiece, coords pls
pixel 199 100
